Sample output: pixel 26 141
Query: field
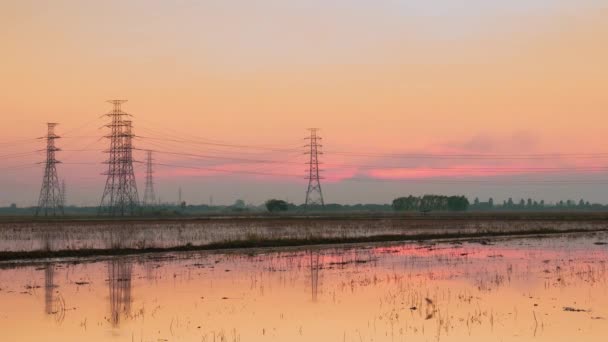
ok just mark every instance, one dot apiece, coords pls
pixel 24 238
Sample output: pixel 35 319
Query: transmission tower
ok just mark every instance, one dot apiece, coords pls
pixel 120 196
pixel 63 193
pixel 49 202
pixel 149 197
pixel 314 194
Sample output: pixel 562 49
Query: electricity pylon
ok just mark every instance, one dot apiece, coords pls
pixel 314 194
pixel 149 196
pixel 49 202
pixel 120 195
pixel 63 194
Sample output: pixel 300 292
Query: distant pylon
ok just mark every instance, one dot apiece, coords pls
pixel 149 196
pixel 120 196
pixel 49 202
pixel 63 194
pixel 314 194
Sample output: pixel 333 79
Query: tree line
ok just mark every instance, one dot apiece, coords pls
pixel 428 203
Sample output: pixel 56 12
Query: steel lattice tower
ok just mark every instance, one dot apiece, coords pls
pixel 149 196
pixel 120 195
pixel 314 194
pixel 49 202
pixel 63 194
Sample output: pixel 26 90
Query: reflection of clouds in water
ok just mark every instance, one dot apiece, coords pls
pixel 119 284
pixel 458 289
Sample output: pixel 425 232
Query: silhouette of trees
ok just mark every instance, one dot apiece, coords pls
pixel 431 203
pixel 275 205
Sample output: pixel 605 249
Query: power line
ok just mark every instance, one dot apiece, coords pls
pixel 472 156
pixel 480 182
pixel 214 169
pixel 392 167
pixel 274 149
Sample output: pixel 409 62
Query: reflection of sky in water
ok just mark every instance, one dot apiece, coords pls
pixel 505 290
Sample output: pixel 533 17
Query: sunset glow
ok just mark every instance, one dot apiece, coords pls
pixel 396 77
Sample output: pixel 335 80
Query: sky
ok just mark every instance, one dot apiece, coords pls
pixel 481 98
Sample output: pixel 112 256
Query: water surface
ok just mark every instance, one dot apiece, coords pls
pixel 550 289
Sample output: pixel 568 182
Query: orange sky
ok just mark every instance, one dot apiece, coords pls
pixel 526 77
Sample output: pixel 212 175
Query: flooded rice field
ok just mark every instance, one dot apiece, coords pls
pixel 74 235
pixel 542 289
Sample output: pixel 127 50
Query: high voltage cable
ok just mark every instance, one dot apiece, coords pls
pixel 226 170
pixel 21 142
pixel 203 141
pixel 261 161
pixel 392 167
pixel 210 152
pixel 404 155
pixel 20 154
pixel 367 166
pixel 78 128
pixel 471 156
pixel 401 155
pixel 422 181
pixel 22 166
pixel 224 145
pixel 483 182
pixel 217 149
pixel 180 135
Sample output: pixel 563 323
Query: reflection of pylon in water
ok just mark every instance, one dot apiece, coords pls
pixel 54 305
pixel 314 194
pixel 49 288
pixel 119 283
pixel 315 265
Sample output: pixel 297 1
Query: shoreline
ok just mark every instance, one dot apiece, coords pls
pixel 312 216
pixel 253 243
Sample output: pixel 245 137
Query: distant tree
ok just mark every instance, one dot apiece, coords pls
pixel 409 203
pixel 428 203
pixel 510 203
pixel 458 203
pixel 476 201
pixel 542 203
pixel 491 203
pixel 529 204
pixel 275 205
pixel 239 205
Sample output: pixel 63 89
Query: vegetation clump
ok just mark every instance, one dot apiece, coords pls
pixel 275 205
pixel 428 203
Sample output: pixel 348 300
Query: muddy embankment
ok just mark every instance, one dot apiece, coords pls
pixel 40 239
